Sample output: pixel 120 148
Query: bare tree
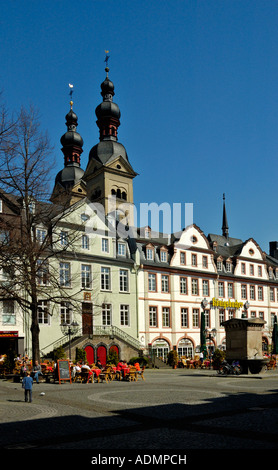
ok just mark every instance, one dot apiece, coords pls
pixel 26 251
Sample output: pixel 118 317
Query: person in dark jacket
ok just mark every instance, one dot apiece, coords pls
pixel 27 384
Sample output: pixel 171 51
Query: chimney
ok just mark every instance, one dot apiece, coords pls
pixel 273 249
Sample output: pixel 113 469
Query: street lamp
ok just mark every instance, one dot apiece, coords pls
pixel 69 329
pixel 210 335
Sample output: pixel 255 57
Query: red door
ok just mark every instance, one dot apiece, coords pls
pixel 101 354
pixel 90 354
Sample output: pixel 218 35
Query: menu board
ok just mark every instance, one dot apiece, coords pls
pixel 63 370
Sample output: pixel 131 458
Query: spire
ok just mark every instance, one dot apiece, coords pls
pixel 225 228
pixel 71 141
pixel 108 113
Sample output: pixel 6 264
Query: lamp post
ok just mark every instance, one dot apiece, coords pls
pixel 210 335
pixel 69 329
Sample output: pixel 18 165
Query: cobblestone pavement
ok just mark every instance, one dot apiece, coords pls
pixel 171 409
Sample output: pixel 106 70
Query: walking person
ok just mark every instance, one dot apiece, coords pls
pixel 27 384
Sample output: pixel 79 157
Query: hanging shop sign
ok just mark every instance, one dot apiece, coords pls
pixel 226 303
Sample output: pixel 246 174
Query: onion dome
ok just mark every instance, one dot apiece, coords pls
pixel 108 113
pixel 72 143
pixel 71 137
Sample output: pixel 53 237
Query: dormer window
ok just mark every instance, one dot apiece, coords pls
pixel 219 265
pixel 163 255
pixel 147 233
pixel 229 267
pixel 150 254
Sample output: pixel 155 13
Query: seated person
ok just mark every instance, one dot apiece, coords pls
pixel 36 371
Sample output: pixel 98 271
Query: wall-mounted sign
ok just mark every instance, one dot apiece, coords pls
pixel 8 334
pixel 87 296
pixel 226 303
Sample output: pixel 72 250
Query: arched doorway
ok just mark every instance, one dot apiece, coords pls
pixel 101 354
pixel 114 349
pixel 160 349
pixel 90 354
pixel 185 348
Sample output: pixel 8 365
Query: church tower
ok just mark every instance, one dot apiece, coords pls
pixel 69 187
pixel 109 174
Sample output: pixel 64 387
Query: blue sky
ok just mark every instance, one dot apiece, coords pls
pixel 196 83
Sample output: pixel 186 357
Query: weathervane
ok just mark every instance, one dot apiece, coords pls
pixel 107 57
pixel 70 93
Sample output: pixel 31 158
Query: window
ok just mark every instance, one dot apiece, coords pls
pixel 259 271
pixel 205 261
pixel 152 282
pixel 207 318
pixel 195 287
pixel 65 274
pixel 271 294
pixel 8 317
pixel 219 265
pixel 43 312
pixel 153 316
pixel 123 280
pixel 4 236
pixel 221 289
pixel 231 314
pixel 64 238
pixel 205 288
pixel 104 245
pixel 121 249
pixel 86 276
pixel 85 242
pixel 150 254
pixel 184 317
pixel 252 292
pixel 230 290
pixel 242 268
pixel 65 313
pixel 243 291
pixel 163 256
pixel 42 272
pixel 106 315
pixel 124 315
pixel 105 278
pixel 251 267
pixel 183 285
pixel 164 283
pixel 40 235
pixel 229 267
pixel 182 257
pixel 260 293
pixel 166 316
pixel 84 217
pixel 195 318
pixel 221 315
pixel 194 260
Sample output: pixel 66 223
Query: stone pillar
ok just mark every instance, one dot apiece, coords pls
pixel 244 343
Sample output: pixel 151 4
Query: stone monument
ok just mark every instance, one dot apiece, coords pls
pixel 244 343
